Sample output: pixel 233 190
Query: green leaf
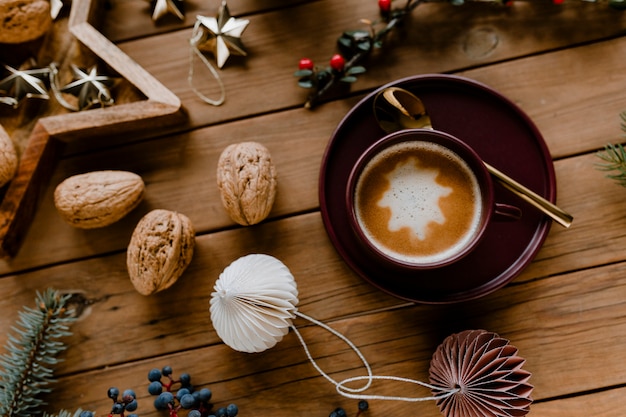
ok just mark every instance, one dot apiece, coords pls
pixel 303 73
pixel 306 83
pixel 356 70
pixel 348 79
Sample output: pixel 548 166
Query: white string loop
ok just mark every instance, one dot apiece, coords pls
pixel 356 393
pixel 194 52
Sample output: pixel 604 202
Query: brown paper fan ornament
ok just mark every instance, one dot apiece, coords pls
pixel 487 373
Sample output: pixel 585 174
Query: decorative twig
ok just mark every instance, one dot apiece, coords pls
pixel 614 157
pixel 26 369
pixel 355 45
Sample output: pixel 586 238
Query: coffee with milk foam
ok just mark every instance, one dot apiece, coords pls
pixel 418 202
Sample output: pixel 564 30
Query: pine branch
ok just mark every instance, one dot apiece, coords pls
pixel 26 369
pixel 614 157
pixel 65 413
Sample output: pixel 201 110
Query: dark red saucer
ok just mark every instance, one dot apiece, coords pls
pixel 502 135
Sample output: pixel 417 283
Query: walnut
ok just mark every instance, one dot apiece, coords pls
pixel 160 249
pixel 23 20
pixel 98 198
pixel 246 178
pixel 8 158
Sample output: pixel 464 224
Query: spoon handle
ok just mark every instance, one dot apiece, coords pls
pixel 558 215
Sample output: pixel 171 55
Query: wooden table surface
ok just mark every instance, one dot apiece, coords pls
pixel 565 66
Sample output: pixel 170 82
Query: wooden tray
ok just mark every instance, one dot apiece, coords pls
pixel 37 161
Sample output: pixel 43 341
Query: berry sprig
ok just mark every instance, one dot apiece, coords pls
pixel 355 45
pixel 174 395
pixel 127 402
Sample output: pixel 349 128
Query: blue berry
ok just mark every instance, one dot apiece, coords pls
pixel 221 412
pixel 338 412
pixel 363 405
pixel 232 410
pixel 194 413
pixel 205 395
pixel 131 406
pixel 133 415
pixel 185 379
pixel 113 393
pixel 118 408
pixel 154 375
pixel 181 393
pixel 155 388
pixel 128 394
pixel 86 414
pixel 161 402
pixel 187 401
pixel 167 371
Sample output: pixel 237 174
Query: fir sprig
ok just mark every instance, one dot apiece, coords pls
pixel 26 369
pixel 614 157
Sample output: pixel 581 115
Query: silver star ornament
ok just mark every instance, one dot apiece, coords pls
pixel 164 7
pixel 221 35
pixel 91 88
pixel 21 84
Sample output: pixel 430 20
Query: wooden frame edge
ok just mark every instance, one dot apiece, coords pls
pixel 38 160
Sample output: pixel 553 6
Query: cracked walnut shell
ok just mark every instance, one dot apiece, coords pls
pixel 246 178
pixel 160 249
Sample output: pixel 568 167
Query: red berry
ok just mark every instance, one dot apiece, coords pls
pixel 305 64
pixel 558 1
pixel 337 62
pixel 384 5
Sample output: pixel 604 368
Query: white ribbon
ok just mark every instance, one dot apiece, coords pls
pixel 194 52
pixel 355 393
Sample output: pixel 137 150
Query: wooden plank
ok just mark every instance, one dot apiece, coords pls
pixel 556 91
pixel 180 175
pixel 544 319
pixel 436 43
pixel 131 19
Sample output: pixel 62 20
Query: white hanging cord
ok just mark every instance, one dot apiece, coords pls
pixel 56 90
pixel 354 393
pixel 194 52
pixel 346 340
pixel 341 387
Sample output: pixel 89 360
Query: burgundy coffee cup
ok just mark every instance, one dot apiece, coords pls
pixel 381 225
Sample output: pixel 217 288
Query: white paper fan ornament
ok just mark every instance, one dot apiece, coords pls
pixel 252 308
pixel 254 302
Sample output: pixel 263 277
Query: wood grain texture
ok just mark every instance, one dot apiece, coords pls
pixel 565 312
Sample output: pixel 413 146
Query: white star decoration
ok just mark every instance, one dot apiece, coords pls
pixel 163 7
pixel 221 35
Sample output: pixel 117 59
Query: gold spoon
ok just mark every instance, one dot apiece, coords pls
pixel 396 108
